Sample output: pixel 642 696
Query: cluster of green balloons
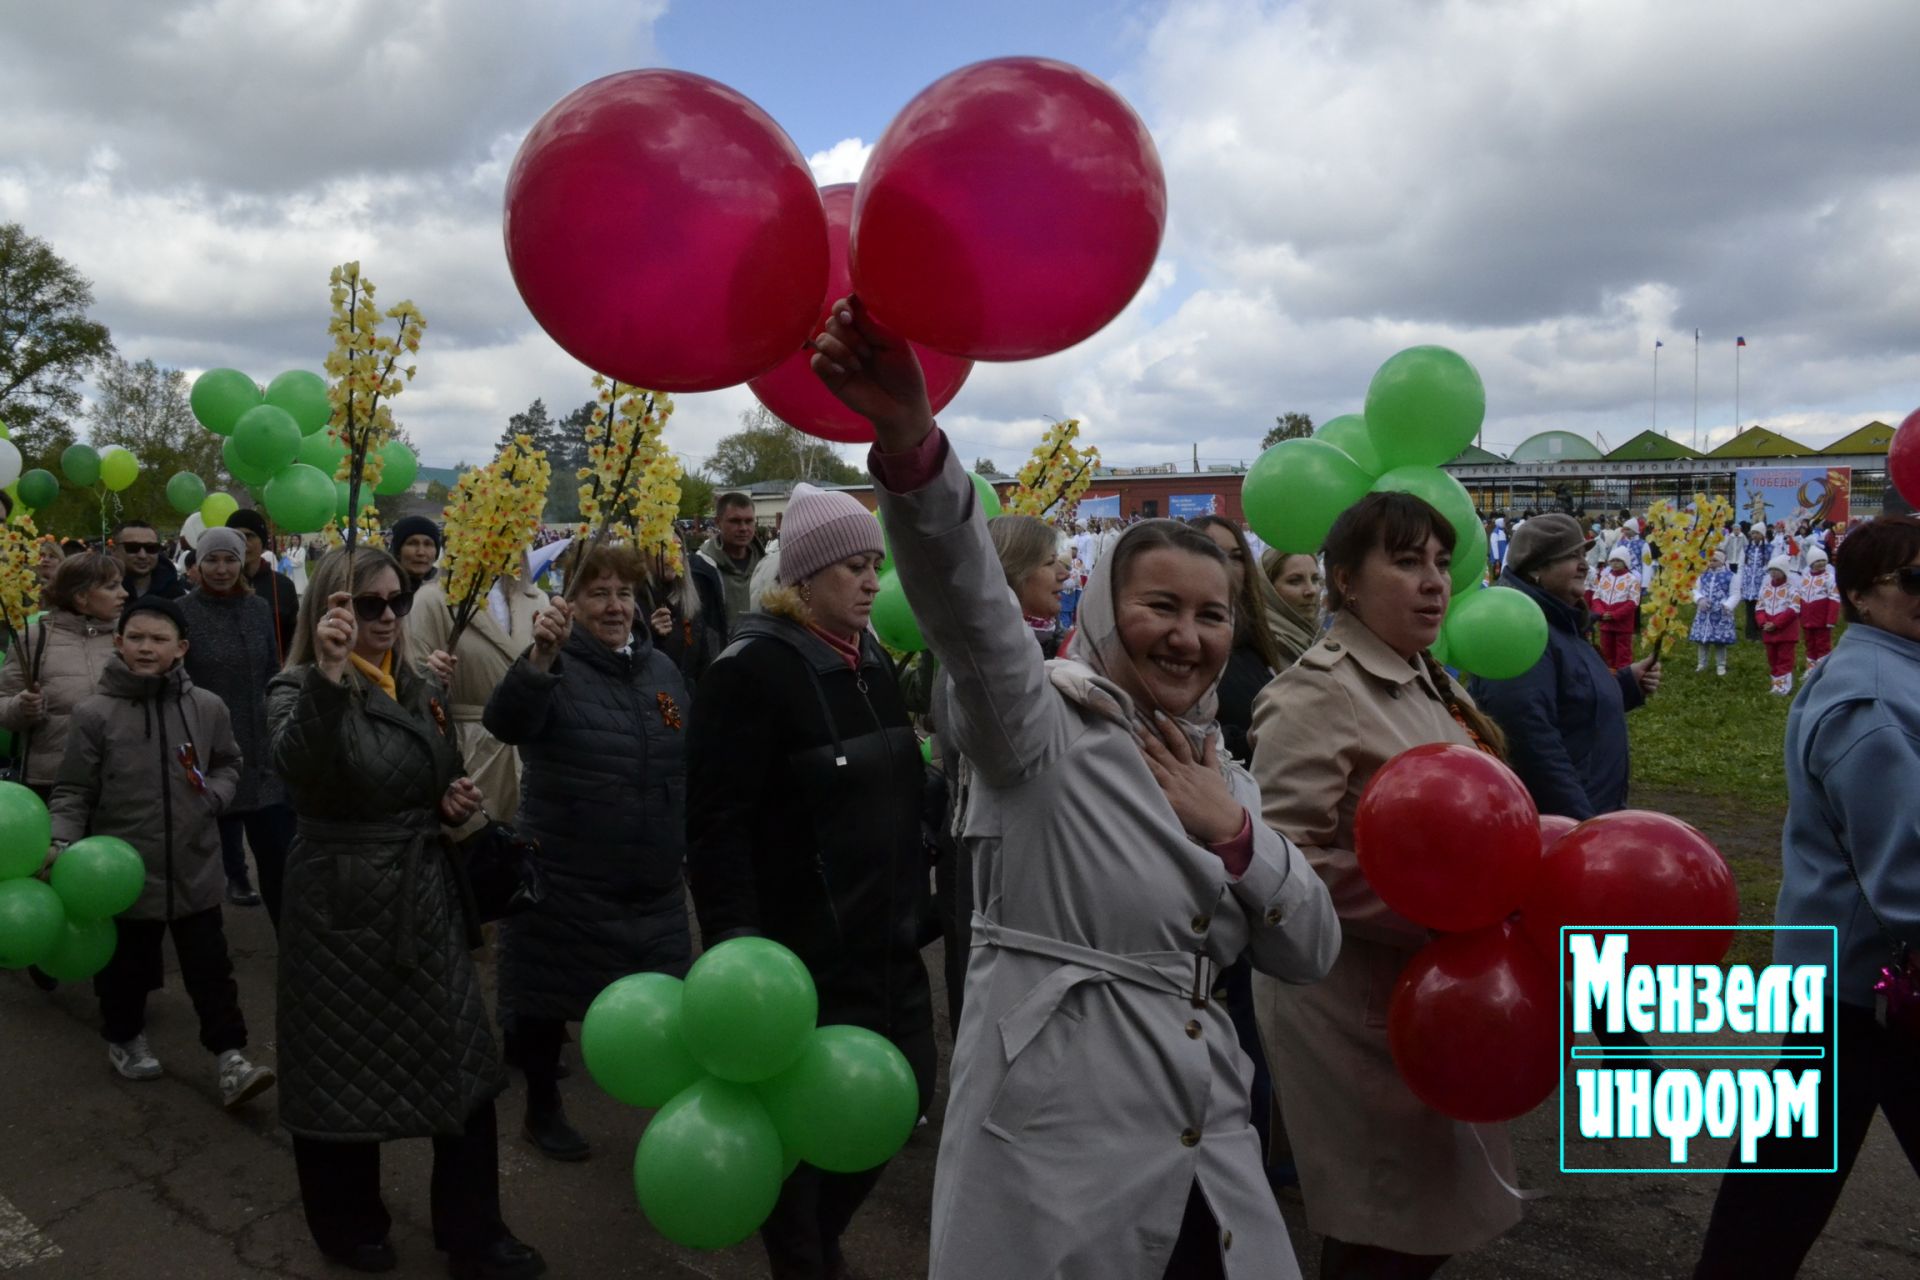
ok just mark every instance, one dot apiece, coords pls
pixel 893 619
pixel 746 1085
pixel 112 467
pixel 65 924
pixel 279 445
pixel 1423 407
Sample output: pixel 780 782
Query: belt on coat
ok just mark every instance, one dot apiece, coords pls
pixel 1188 975
pixel 411 831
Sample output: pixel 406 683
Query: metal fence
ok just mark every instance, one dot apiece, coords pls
pixel 1599 495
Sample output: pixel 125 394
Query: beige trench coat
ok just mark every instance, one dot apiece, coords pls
pixel 486 652
pixel 1377 1166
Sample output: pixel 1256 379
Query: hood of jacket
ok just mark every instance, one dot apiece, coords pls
pixel 119 681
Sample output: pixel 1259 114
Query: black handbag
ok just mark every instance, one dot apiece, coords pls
pixel 502 871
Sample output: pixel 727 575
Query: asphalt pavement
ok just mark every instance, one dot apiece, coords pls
pixel 102 1178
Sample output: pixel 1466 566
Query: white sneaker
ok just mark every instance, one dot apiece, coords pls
pixel 240 1079
pixel 134 1060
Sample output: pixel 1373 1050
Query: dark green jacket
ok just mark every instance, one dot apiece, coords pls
pixel 382 1029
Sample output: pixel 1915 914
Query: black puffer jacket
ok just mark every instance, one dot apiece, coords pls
pixel 382 1030
pixel 232 654
pixel 803 819
pixel 603 788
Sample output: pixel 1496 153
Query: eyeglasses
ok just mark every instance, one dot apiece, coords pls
pixel 141 548
pixel 370 608
pixel 1908 576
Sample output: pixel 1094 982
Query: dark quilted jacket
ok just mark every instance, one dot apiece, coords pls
pixel 382 1030
pixel 231 653
pixel 603 789
pixel 803 819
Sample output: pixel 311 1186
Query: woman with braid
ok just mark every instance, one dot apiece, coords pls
pixel 1394 1186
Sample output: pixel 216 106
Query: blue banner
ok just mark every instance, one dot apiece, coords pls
pixel 1106 508
pixel 1766 495
pixel 1185 506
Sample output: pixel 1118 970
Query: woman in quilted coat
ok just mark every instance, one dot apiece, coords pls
pixel 597 713
pixel 382 1030
pixel 66 651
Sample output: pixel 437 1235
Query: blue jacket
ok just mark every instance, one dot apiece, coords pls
pixel 1565 719
pixel 1853 755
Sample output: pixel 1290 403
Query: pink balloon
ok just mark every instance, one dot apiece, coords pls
pixel 792 390
pixel 666 232
pixel 1010 210
pixel 1553 826
pixel 1903 459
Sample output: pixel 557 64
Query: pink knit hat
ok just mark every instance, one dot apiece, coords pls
pixel 821 527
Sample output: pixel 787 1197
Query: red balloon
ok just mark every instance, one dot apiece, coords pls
pixel 1448 836
pixel 1553 826
pixel 1475 1025
pixel 1010 211
pixel 1903 458
pixel 796 395
pixel 666 232
pixel 1636 867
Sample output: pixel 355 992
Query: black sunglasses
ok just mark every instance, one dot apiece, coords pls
pixel 141 548
pixel 1908 576
pixel 369 608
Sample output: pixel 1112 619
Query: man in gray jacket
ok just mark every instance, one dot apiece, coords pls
pixel 733 551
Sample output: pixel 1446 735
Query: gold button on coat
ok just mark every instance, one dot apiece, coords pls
pixel 1200 923
pixel 1191 1138
pixel 1193 1030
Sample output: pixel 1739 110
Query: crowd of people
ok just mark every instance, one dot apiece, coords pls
pixel 1133 831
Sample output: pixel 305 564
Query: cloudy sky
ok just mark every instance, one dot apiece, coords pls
pixel 1548 186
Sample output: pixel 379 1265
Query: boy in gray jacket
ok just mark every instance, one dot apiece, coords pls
pixel 152 760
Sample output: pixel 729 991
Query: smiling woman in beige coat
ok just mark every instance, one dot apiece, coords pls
pixel 1098 1122
pixel 1394 1186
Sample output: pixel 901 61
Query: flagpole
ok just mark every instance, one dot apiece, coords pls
pixel 1696 390
pixel 1736 387
pixel 1656 386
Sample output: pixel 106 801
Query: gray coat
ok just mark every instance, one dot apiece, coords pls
pixel 1090 1090
pixel 121 775
pixel 382 1031
pixel 232 653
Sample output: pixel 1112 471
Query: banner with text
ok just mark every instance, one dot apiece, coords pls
pixel 1767 495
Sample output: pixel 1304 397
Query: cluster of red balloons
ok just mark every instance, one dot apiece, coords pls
pixel 1449 838
pixel 667 233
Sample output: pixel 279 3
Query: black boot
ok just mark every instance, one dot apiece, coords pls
pixel 546 1124
pixel 505 1259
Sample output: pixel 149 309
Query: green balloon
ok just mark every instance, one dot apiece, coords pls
pixel 38 488
pixel 848 1104
pixel 80 465
pixel 630 1040
pixel 30 920
pixel 323 451
pixel 1296 490
pixel 265 439
pixel 185 492
pixel 304 397
pixel 1348 434
pixel 81 950
pixel 1439 648
pixel 926 751
pixel 98 877
pixel 1424 406
pixel 708 1169
pixel 26 831
pixel 398 471
pixel 118 468
pixel 1498 633
pixel 215 509
pixel 300 499
pixel 239 468
pixel 1470 559
pixel 220 396
pixel 747 1008
pixel 989 499
pixel 893 619
pixel 1445 494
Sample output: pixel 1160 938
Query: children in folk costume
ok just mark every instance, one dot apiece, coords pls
pixel 1753 573
pixel 1778 611
pixel 1819 605
pixel 1716 595
pixel 1616 598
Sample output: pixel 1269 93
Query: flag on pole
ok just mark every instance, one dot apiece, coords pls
pixel 1657 344
pixel 1739 342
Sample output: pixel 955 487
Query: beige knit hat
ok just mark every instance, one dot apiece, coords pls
pixel 820 527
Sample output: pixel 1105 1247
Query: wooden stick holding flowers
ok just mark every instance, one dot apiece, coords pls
pixel 492 517
pixel 366 374
pixel 611 491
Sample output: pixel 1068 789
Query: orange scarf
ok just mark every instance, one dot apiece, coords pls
pixel 382 675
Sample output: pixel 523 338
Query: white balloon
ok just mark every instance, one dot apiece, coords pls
pixel 9 463
pixel 192 528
